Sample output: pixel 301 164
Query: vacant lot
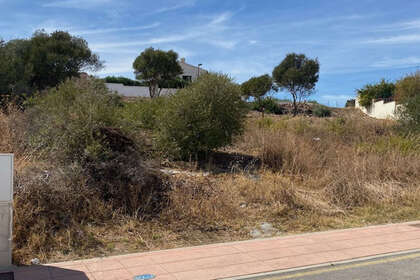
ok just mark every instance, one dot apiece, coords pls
pixel 297 173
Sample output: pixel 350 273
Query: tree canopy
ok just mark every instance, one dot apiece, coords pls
pixel 383 89
pixel 45 60
pixel 156 67
pixel 257 87
pixel 298 75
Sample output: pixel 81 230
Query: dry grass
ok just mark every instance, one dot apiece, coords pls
pixel 317 174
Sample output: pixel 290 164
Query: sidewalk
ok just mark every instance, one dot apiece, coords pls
pixel 237 258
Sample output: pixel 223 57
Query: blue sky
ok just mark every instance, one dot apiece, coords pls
pixel 356 42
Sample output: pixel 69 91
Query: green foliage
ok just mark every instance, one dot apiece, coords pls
pixel 321 111
pixel 298 75
pixel 269 104
pixel 43 61
pixel 257 87
pixel 407 94
pixel 156 67
pixel 67 121
pixel 122 80
pixel 351 103
pixel 144 113
pixel 383 89
pixel 202 117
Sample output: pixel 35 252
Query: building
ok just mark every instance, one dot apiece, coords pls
pixel 190 72
pixel 380 109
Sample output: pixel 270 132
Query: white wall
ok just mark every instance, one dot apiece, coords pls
pixel 135 91
pixel 6 197
pixel 379 109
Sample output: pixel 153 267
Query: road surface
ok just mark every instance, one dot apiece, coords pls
pixel 396 267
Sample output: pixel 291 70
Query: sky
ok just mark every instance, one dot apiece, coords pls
pixel 356 42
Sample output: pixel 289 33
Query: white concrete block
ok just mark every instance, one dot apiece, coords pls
pixel 6 177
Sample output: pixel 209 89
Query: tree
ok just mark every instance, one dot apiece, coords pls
pixel 58 56
pixel 383 89
pixel 43 61
pixel 202 117
pixel 407 94
pixel 298 75
pixel 156 67
pixel 257 87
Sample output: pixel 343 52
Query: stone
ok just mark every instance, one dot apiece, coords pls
pixel 35 261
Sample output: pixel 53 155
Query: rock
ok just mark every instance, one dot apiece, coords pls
pixel 264 230
pixel 35 261
pixel 255 233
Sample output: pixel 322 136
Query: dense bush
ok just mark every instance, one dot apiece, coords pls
pixel 144 113
pixel 408 95
pixel 268 104
pixel 79 123
pixel 66 121
pixel 202 117
pixel 383 89
pixel 321 111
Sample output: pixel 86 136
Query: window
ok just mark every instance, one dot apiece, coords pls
pixel 187 78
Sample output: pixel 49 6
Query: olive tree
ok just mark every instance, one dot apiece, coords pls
pixel 298 75
pixel 156 67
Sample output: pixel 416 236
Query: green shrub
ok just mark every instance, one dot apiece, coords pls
pixel 269 104
pixel 408 95
pixel 143 113
pixel 382 89
pixel 79 124
pixel 321 111
pixel 202 117
pixel 66 121
pixel 122 80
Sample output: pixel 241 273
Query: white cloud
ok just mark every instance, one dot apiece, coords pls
pixel 221 18
pixel 175 7
pixel 397 62
pixel 76 4
pixel 222 43
pixel 205 33
pixel 336 97
pixel 117 29
pixel 399 39
pixel 151 41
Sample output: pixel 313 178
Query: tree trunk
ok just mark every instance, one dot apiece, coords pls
pixel 295 109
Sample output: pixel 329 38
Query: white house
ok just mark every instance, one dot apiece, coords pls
pixel 380 109
pixel 190 73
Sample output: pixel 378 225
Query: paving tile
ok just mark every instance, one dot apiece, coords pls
pixel 207 263
pixel 238 270
pixel 103 265
pixel 199 274
pixel 135 261
pixel 146 269
pixel 274 253
pixel 238 258
pixel 118 274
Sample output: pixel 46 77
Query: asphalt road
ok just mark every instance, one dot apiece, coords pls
pixel 395 267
